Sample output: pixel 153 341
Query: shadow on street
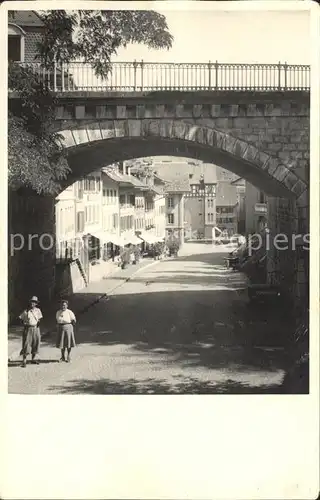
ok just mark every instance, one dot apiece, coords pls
pixel 150 386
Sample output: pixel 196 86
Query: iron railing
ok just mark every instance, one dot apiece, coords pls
pixel 146 76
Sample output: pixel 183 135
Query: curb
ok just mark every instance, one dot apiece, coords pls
pixel 16 354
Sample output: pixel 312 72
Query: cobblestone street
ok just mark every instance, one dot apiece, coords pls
pixel 178 326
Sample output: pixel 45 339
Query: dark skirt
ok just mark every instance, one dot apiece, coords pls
pixel 65 337
pixel 31 339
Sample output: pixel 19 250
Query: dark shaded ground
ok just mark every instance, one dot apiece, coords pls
pixel 153 339
pixel 151 386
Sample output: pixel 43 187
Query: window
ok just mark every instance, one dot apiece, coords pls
pixel 132 199
pixel 14 48
pixel 80 222
pixel 98 183
pixel 122 199
pixel 170 202
pixel 194 189
pixel 15 43
pixel 170 218
pixel 262 198
pixel 86 214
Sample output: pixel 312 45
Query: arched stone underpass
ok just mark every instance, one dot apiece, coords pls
pixel 101 143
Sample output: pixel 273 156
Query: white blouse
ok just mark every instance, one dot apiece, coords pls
pixel 65 316
pixel 31 317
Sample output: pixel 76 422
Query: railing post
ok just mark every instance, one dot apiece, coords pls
pixel 216 65
pixel 279 75
pixel 142 65
pixel 55 75
pixel 209 69
pixel 62 77
pixel 285 75
pixel 135 75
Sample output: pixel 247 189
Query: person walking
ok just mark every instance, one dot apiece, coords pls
pixel 65 339
pixel 31 337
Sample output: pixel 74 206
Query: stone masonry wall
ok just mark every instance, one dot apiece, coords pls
pixel 31 270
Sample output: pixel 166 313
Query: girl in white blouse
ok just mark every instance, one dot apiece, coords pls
pixel 65 322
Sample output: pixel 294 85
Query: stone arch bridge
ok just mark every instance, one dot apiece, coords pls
pixel 261 135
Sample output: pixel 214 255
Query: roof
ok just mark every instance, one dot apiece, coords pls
pixel 177 186
pixel 26 18
pixel 127 180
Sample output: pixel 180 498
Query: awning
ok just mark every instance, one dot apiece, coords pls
pixel 130 239
pixel 149 237
pixel 107 238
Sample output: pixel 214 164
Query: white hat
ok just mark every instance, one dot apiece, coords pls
pixel 34 299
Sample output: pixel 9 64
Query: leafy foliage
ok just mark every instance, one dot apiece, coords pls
pixel 36 157
pixel 95 36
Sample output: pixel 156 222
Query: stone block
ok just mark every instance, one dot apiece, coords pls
pixel 80 112
pixel 121 128
pixel 200 135
pixel 250 153
pixel 179 129
pixel 272 165
pixel 179 111
pixel 59 111
pixel 149 111
pixel 160 110
pixel 94 132
pixel 300 190
pixel 253 138
pixel 166 128
pixel 290 180
pixel 107 129
pixel 134 128
pixel 67 138
pixel 284 155
pixel 80 136
pixel 121 112
pixel 131 112
pixel 251 110
pixel 240 148
pixel 241 123
pixel 281 172
pixel 197 110
pixel 215 110
pixel 101 112
pixel 111 112
pixel 205 110
pixel 234 110
pixel 150 128
pixel 218 139
pixel 271 110
pixel 262 159
pixel 169 111
pixel 222 123
pixel 229 143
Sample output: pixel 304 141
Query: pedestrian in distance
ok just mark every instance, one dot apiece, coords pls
pixel 66 321
pixel 31 337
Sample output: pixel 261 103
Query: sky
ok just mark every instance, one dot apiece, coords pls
pixel 249 37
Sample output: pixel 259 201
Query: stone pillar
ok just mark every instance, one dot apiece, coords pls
pixel 31 270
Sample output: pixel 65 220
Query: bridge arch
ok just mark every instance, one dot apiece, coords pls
pixel 92 145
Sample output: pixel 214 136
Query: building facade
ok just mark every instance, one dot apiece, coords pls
pixel 226 207
pixel 256 209
pixel 200 202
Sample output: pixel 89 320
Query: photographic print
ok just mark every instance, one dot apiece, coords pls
pixel 158 201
